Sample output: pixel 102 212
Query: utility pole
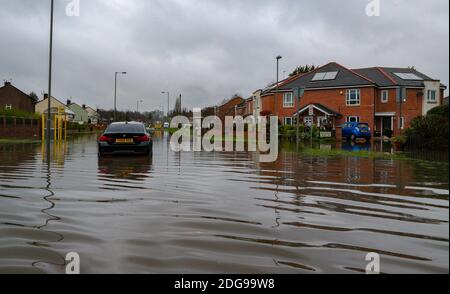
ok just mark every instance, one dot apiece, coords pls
pixel 115 92
pixel 279 57
pixel 50 82
pixel 300 93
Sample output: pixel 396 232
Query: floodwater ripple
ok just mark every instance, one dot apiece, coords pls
pixel 219 212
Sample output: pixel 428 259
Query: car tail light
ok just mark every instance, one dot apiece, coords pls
pixel 141 139
pixel 106 139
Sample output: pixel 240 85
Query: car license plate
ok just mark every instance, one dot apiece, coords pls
pixel 124 141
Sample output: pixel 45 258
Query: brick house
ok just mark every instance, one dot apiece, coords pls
pixel 231 107
pixel 12 98
pixel 334 94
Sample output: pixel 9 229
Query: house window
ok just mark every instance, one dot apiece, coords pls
pixel 431 97
pixel 308 120
pixel 288 100
pixel 353 97
pixel 385 96
pixel 288 121
pixel 352 119
pixel 321 121
pixel 8 107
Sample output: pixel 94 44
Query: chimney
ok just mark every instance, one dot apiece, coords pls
pixel 45 95
pixel 84 106
pixel 7 83
pixel 69 102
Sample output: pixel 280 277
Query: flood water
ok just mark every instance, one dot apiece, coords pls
pixel 219 212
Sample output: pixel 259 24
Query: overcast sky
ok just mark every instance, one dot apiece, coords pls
pixel 209 49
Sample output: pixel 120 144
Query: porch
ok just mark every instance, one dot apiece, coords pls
pixel 321 116
pixel 384 124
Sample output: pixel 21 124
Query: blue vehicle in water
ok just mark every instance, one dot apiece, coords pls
pixel 356 130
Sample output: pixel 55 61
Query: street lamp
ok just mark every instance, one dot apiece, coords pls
pixel 115 92
pixel 168 101
pixel 279 57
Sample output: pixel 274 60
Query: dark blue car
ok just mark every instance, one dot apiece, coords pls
pixel 355 130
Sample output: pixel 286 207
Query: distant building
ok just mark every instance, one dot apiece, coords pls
pixel 12 98
pixel 230 107
pixel 42 106
pixel 93 115
pixel 80 113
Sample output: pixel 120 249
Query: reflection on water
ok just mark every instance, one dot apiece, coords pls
pixel 220 212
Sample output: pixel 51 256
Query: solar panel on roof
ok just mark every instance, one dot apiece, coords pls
pixel 319 76
pixel 331 75
pixel 325 76
pixel 408 76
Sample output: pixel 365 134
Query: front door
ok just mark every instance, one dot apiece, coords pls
pixel 387 126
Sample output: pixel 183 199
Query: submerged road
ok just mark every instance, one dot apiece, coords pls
pixel 219 212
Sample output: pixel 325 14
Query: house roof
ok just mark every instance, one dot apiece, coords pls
pixel 372 76
pixel 345 78
pixel 321 108
pixel 54 99
pixel 387 76
pixel 8 85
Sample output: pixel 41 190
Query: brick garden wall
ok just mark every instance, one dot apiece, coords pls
pixel 19 128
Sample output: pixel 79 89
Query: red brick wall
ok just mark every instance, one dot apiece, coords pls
pixel 336 99
pixel 410 109
pixel 12 128
pixel 370 103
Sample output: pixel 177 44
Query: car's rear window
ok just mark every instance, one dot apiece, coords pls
pixel 126 128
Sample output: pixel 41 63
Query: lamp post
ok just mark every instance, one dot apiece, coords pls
pixel 50 81
pixel 115 92
pixel 279 57
pixel 168 101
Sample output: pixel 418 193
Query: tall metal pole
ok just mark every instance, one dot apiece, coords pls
pixel 168 104
pixel 115 96
pixel 115 92
pixel 50 81
pixel 276 91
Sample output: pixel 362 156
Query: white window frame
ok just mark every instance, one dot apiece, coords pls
pixel 321 120
pixel 357 100
pixel 307 119
pixel 384 96
pixel 351 119
pixel 8 107
pixel 429 95
pixel 291 121
pixel 290 104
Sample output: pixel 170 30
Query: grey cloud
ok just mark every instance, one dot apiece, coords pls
pixel 208 50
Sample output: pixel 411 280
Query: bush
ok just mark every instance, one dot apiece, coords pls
pixel 18 113
pixel 430 131
pixel 399 139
